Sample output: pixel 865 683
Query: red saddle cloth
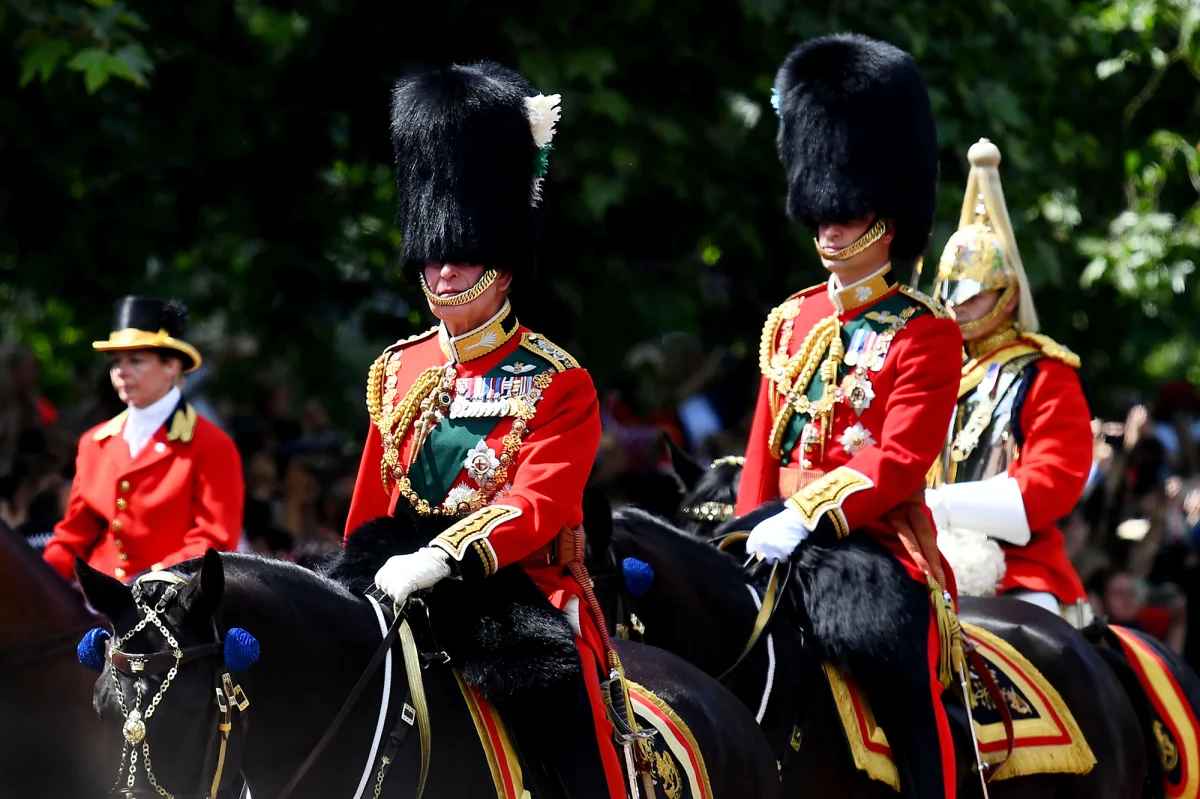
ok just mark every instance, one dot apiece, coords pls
pixel 1175 725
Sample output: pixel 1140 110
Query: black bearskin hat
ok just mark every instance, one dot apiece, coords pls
pixel 465 168
pixel 857 136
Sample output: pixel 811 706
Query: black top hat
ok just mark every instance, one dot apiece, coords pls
pixel 141 323
pixel 466 168
pixel 857 137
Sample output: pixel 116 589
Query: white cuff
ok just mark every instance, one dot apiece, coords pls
pixel 993 507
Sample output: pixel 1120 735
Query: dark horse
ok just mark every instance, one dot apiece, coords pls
pixel 315 639
pixel 719 482
pixel 55 745
pixel 698 605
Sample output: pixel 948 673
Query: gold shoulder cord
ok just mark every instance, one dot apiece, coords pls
pixel 395 425
pixel 798 374
pixel 773 359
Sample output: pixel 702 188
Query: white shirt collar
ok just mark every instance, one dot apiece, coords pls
pixel 143 423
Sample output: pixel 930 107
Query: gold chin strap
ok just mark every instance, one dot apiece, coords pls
pixel 873 234
pixel 463 297
pixel 975 326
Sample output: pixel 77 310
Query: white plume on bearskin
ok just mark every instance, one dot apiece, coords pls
pixel 977 561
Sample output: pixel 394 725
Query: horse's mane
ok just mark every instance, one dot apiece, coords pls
pixel 700 553
pixel 268 573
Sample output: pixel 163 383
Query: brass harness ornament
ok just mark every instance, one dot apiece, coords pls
pixel 228 695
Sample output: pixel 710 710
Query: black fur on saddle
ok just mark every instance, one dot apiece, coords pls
pixel 863 611
pixel 508 640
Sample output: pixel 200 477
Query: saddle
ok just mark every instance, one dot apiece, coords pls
pixel 509 646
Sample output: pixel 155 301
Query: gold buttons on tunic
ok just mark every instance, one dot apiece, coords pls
pixel 117 526
pixel 122 504
pixel 124 558
pixel 119 573
pixel 118 543
pixel 124 486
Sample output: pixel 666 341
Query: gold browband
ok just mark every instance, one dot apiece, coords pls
pixel 463 297
pixel 872 235
pixel 708 512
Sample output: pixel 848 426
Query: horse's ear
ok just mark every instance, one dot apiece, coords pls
pixel 203 592
pixel 597 519
pixel 687 469
pixel 106 594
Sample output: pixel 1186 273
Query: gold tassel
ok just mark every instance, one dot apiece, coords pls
pixel 950 655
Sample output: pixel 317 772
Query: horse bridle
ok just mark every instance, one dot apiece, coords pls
pixel 229 696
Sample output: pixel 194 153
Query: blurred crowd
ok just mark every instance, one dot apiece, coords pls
pixel 1133 536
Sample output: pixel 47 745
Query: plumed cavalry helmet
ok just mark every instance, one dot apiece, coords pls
pixel 982 255
pixel 145 323
pixel 471 145
pixel 857 137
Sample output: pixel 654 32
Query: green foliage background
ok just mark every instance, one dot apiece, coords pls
pixel 234 153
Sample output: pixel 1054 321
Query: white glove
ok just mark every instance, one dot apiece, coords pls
pixel 404 574
pixel 936 500
pixel 776 537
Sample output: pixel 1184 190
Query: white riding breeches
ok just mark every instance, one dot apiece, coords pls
pixel 1078 615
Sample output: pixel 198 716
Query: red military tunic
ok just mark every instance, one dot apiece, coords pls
pixel 875 458
pixel 508 459
pixel 183 493
pixel 1052 425
pixel 854 446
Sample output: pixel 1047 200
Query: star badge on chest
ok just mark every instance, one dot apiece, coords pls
pixel 481 463
pixel 856 438
pixel 858 391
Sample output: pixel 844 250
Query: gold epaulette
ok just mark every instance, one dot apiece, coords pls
pixel 375 375
pixel 770 332
pixel 111 427
pixel 539 345
pixel 933 305
pixel 404 342
pixel 1052 349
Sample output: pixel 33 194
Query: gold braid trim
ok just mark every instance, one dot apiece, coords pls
pixel 827 494
pixel 766 344
pixel 395 425
pixel 728 460
pixel 1053 349
pixel 798 374
pixel 470 534
pixel 463 297
pixel 933 306
pixel 544 348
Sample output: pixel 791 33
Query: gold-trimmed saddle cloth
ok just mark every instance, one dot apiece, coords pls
pixel 1047 739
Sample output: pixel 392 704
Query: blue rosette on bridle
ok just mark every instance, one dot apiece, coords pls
pixel 241 649
pixel 639 575
pixel 91 648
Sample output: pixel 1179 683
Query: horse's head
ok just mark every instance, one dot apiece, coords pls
pixel 686 595
pixel 169 678
pixel 711 497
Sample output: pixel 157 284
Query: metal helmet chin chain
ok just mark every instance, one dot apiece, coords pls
pixel 228 695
